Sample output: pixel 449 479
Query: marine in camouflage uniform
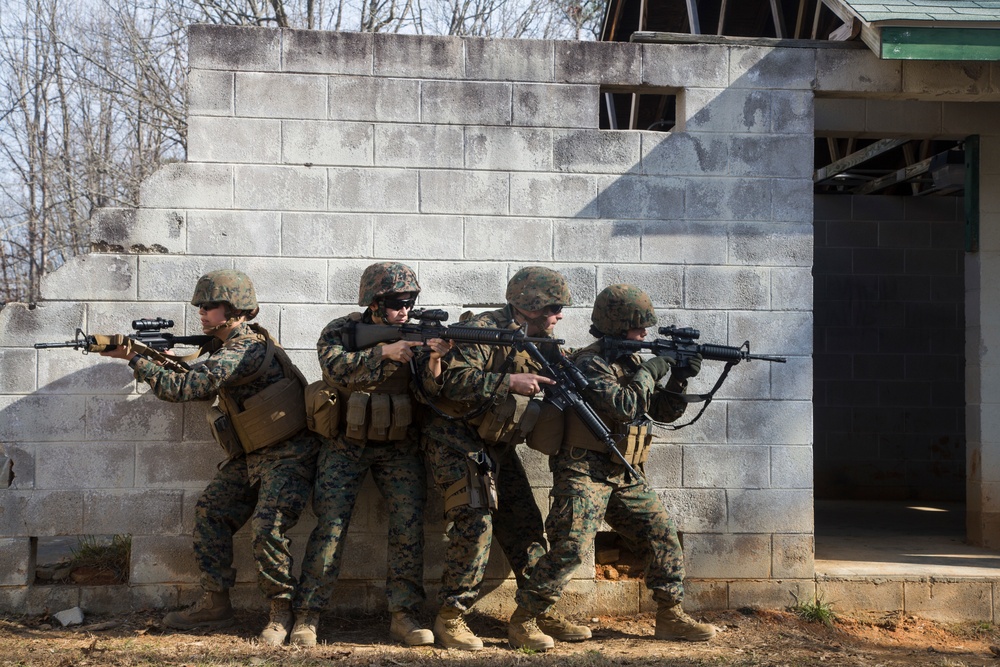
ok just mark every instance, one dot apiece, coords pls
pixel 396 463
pixel 590 485
pixel 268 487
pixel 476 375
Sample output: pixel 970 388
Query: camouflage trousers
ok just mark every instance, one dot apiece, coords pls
pixel 398 472
pixel 516 523
pixel 579 502
pixel 269 488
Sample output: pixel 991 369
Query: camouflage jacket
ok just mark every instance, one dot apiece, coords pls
pixel 240 356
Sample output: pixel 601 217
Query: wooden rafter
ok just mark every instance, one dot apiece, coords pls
pixel 898 176
pixel 856 158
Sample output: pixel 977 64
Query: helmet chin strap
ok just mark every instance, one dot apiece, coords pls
pixel 231 322
pixel 539 323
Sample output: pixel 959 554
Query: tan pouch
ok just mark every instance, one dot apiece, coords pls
pixel 547 435
pixel 222 431
pixel 272 415
pixel 322 409
pixel 402 416
pixel 357 413
pixel 381 417
pixel 477 490
pixel 509 421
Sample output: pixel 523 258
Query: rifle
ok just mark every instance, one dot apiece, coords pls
pixel 147 340
pixel 427 324
pixel 680 346
pixel 567 392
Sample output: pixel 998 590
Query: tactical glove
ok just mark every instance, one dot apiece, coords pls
pixel 690 368
pixel 658 367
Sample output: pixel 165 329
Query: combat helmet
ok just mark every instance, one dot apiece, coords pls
pixel 619 308
pixel 228 285
pixel 534 287
pixel 386 278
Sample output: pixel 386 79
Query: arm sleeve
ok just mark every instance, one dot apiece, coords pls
pixel 619 402
pixel 362 370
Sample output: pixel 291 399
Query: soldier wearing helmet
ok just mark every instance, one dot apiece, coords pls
pixel 376 431
pixel 589 485
pixel 487 391
pixel 268 476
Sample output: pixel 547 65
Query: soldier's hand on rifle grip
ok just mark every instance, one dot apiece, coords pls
pixel 400 351
pixel 528 384
pixel 658 367
pixel 438 347
pixel 123 351
pixel 688 368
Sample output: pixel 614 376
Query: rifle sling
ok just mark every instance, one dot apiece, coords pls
pixel 696 398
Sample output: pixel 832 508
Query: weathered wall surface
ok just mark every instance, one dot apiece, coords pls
pixel 312 154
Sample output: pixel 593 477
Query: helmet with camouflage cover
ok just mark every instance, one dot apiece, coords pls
pixel 228 285
pixel 535 287
pixel 619 308
pixel 386 278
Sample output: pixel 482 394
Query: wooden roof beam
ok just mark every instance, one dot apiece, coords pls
pixel 856 158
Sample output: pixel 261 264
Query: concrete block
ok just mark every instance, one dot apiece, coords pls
pixel 113 317
pixel 727 287
pixel 791 200
pixel 732 467
pixel 240 48
pixel 162 558
pixel 771 422
pixel 791 466
pixel 374 99
pixel 704 595
pixel 527 239
pixel 792 380
pixel 272 95
pixel 465 102
pixel 288 280
pixel 771 244
pixel 946 80
pixel 235 233
pixel 85 465
pixel 508 59
pixel 23 324
pixel 185 464
pixel 582 281
pixel 770 594
pixel 311 143
pixel 724 110
pixel 749 381
pixel 792 112
pixel 770 511
pixel 210 93
pixel 40 418
pixel 419 236
pixel 326 234
pixel 682 242
pixel 419 56
pixel 890 118
pixel 92 278
pixel 856 71
pixel 727 199
pixel 326 52
pixel 684 153
pixel 665 283
pixel 41 513
pixel 223 139
pixel 17 371
pixel 792 556
pixel 471 284
pixel 508 148
pixel 961 119
pixel 280 188
pixel 343 278
pixel 695 510
pixel 597 240
pixel 115 599
pixel 37 599
pixel 607 152
pixel 464 192
pixel 132 511
pixel 639 197
pixel 611 63
pixel 861 594
pixel 950 601
pixel 19 568
pixel 132 418
pixel 379 190
pixel 784 333
pixel 711 556
pixel 301 324
pixel 173 278
pixel 615 597
pixel 769 67
pixel 139 231
pixel 555 195
pixel 834 117
pixel 414 146
pixel 187 185
pixel 551 105
pixel 685 65
pixel 70 372
pixel 788 156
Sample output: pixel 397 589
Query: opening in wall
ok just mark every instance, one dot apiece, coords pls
pixel 613 560
pixel 638 109
pixel 82 560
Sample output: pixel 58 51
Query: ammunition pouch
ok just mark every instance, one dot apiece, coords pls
pixel 222 431
pixel 322 409
pixel 270 416
pixel 478 489
pixel 633 440
pixel 378 417
pixel 509 420
pixel 547 435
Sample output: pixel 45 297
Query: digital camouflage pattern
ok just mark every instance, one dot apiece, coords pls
pixel 397 468
pixel 619 308
pixel 588 486
pixel 517 522
pixel 534 287
pixel 229 285
pixel 386 278
pixel 268 487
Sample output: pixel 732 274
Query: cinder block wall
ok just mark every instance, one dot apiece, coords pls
pixel 311 155
pixel 890 348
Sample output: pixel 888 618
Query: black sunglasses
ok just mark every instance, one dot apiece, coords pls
pixel 553 310
pixel 210 305
pixel 398 304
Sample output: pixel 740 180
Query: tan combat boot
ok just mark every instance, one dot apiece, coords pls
pixel 404 628
pixel 673 623
pixel 559 627
pixel 304 632
pixel 213 610
pixel 452 632
pixel 280 623
pixel 523 632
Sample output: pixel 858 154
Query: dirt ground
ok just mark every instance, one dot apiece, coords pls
pixel 748 637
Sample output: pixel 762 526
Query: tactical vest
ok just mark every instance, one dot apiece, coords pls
pixel 382 414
